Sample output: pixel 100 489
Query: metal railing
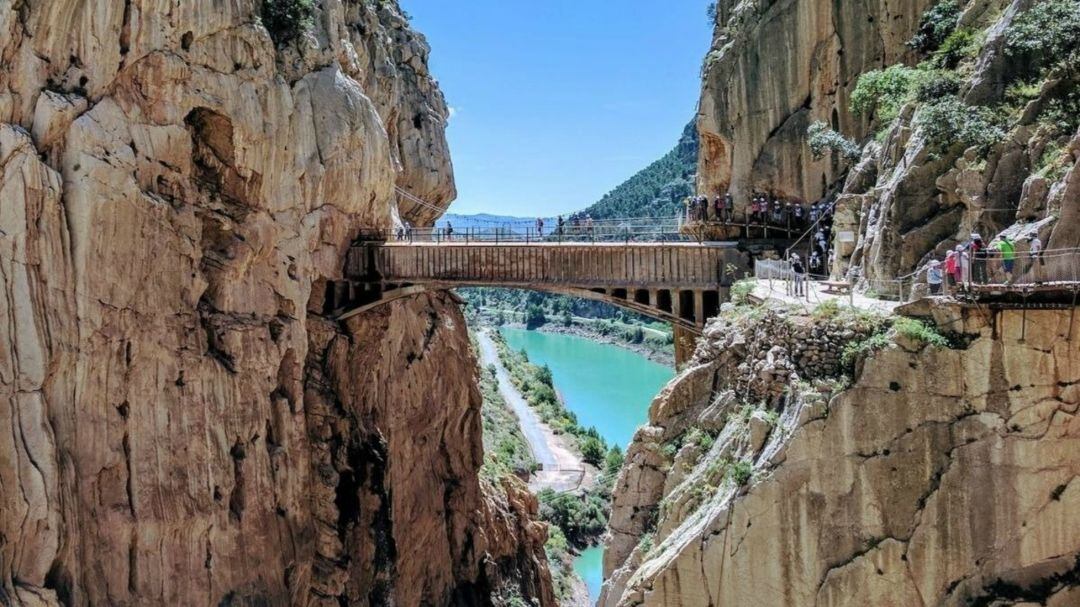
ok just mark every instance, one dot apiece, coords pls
pixel 1054 270
pixel 653 231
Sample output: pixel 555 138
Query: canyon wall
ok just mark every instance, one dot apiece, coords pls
pixel 180 424
pixel 775 67
pixel 940 476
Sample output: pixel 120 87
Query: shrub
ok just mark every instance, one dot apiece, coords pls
pixel 949 122
pixel 938 86
pixel 823 140
pixel 853 350
pixel 287 19
pixel 960 45
pixel 884 92
pixel 741 472
pixel 534 316
pixel 593 451
pixel 646 543
pixel 581 518
pixel 741 290
pixel 920 332
pixel 700 438
pixel 1048 36
pixel 613 461
pixel 935 26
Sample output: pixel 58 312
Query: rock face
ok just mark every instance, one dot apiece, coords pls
pixel 180 425
pixel 940 477
pixel 777 66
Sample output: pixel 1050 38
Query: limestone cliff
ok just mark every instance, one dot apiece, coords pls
pixel 180 424
pixel 775 67
pixel 941 476
pixel 984 139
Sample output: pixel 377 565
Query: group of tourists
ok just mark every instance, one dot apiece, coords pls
pixel 970 263
pixel 579 225
pixel 722 209
pixel 764 209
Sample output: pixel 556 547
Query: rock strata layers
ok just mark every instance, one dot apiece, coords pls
pixel 941 476
pixel 181 426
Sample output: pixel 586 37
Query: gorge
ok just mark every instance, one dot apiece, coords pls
pixel 187 420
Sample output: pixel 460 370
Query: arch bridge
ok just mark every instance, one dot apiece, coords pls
pixel 679 282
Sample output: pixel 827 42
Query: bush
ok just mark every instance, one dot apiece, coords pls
pixel 823 140
pixel 960 45
pixel 920 332
pixel 741 290
pixel 580 518
pixel 593 451
pixel 1048 36
pixel 742 472
pixel 287 19
pixel 935 26
pixel 613 461
pixel 883 92
pixel 534 316
pixel 949 122
pixel 938 86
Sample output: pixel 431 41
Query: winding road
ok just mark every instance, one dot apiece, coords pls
pixel 560 468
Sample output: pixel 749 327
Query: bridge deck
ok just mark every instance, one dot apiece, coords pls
pixel 586 265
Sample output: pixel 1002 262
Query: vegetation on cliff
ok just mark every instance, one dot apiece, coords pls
pixel 657 190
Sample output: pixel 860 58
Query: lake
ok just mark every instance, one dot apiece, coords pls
pixel 605 386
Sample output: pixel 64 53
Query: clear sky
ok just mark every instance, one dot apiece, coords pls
pixel 556 102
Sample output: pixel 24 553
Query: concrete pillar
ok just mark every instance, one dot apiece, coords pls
pixel 699 308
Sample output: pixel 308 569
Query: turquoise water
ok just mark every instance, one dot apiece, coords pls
pixel 606 386
pixel 590 566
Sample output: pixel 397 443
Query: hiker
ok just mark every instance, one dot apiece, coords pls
pixel 729 207
pixel 815 264
pixel 1035 252
pixel 800 275
pixel 1007 250
pixel 934 278
pixel 799 217
pixel 979 257
pixel 963 265
pixel 540 226
pixel 449 231
pixel 777 212
pixel 815 213
pixel 560 223
pixel 952 271
pixel 589 226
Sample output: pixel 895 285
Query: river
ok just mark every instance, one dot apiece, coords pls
pixel 605 386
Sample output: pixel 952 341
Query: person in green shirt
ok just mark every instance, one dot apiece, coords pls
pixel 1007 250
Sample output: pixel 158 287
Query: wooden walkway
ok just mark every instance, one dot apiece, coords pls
pixel 681 282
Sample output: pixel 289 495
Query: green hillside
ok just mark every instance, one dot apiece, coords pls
pixel 659 189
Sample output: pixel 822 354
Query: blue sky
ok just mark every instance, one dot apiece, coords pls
pixel 556 102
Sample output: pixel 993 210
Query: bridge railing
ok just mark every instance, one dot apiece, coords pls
pixel 653 231
pixel 1052 271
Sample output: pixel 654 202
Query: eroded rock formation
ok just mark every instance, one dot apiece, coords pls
pixel 942 476
pixel 179 424
pixel 775 67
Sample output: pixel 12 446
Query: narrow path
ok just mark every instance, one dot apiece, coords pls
pixel 560 468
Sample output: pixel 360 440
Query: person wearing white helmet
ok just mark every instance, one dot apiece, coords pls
pixel 800 275
pixel 963 263
pixel 934 277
